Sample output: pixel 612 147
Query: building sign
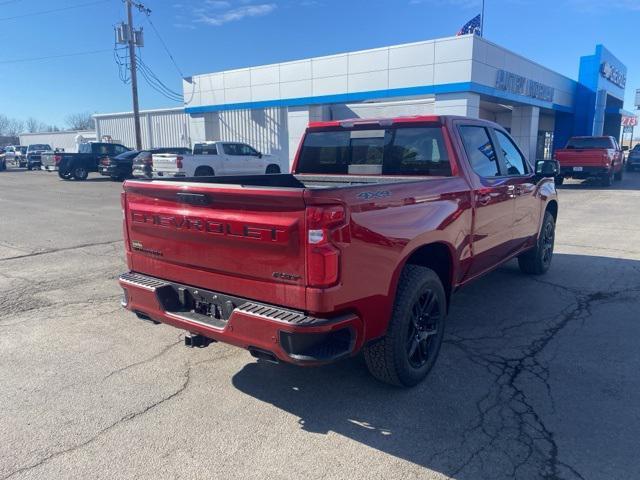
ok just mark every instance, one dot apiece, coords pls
pixel 512 83
pixel 627 130
pixel 629 121
pixel 614 75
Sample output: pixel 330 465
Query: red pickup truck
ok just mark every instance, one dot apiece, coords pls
pixel 360 248
pixel 588 157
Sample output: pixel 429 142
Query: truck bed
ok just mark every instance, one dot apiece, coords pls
pixel 289 180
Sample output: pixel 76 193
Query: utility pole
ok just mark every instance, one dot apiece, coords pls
pixel 482 21
pixel 134 75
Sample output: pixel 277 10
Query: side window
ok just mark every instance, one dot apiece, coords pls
pixel 420 151
pixel 230 148
pixel 513 159
pixel 247 150
pixel 480 151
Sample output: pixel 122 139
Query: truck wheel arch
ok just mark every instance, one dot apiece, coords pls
pixel 438 256
pixel 204 171
pixel 552 208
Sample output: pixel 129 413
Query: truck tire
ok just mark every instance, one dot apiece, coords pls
pixel 272 169
pixel 204 172
pixel 80 173
pixel 538 260
pixel 618 176
pixel 406 354
pixel 65 174
pixel 607 178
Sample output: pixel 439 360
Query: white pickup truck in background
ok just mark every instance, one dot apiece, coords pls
pixel 216 158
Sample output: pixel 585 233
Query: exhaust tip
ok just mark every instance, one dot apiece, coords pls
pixel 263 355
pixel 197 341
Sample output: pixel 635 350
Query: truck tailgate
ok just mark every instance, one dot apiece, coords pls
pixel 247 233
pixel 583 158
pixel 48 159
pixel 165 162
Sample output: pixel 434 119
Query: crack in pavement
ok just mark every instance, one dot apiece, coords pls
pixel 505 412
pixel 147 360
pixel 98 434
pixel 63 249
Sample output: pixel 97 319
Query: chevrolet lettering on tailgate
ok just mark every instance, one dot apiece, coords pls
pixel 226 228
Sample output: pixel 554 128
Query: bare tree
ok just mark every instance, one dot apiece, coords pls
pixel 34 125
pixel 15 127
pixel 79 121
pixel 10 126
pixel 4 124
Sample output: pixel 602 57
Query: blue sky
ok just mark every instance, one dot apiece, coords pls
pixel 213 35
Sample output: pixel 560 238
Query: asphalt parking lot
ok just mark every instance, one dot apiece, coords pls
pixel 538 377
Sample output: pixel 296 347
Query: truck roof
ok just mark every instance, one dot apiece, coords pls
pixel 393 121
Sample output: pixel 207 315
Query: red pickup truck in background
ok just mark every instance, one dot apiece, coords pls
pixel 588 157
pixel 361 248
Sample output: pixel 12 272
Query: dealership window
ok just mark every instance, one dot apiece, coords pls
pixel 480 151
pixel 392 151
pixel 513 159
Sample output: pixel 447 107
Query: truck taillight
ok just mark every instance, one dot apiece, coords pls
pixel 57 159
pixel 179 161
pixel 323 257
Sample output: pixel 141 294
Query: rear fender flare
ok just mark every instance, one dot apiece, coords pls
pixel 412 249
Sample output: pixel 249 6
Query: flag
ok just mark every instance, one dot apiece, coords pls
pixel 472 26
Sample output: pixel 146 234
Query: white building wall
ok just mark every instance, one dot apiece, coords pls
pixel 159 128
pixel 524 129
pixel 488 58
pixel 421 64
pixel 66 140
pixel 422 106
pixel 264 129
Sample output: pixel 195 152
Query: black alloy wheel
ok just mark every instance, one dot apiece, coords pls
pixel 547 243
pixel 423 329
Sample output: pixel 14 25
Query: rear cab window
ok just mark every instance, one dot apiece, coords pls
pixel 368 150
pixel 586 143
pixel 201 149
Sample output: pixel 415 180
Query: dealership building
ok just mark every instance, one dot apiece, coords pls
pixel 269 106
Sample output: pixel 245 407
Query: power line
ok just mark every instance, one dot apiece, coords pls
pixel 35 59
pixel 157 84
pixel 44 12
pixel 166 49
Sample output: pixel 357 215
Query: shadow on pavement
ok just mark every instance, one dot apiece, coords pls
pixel 630 181
pixel 498 403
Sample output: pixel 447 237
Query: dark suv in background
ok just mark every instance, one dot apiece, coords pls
pixel 633 160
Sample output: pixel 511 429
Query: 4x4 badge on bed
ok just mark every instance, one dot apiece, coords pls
pixel 370 195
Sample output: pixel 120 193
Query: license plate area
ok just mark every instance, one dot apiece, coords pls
pixel 192 303
pixel 577 169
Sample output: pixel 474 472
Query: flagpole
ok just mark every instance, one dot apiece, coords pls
pixel 482 21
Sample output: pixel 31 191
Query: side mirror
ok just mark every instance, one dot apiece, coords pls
pixel 547 168
pixel 259 154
